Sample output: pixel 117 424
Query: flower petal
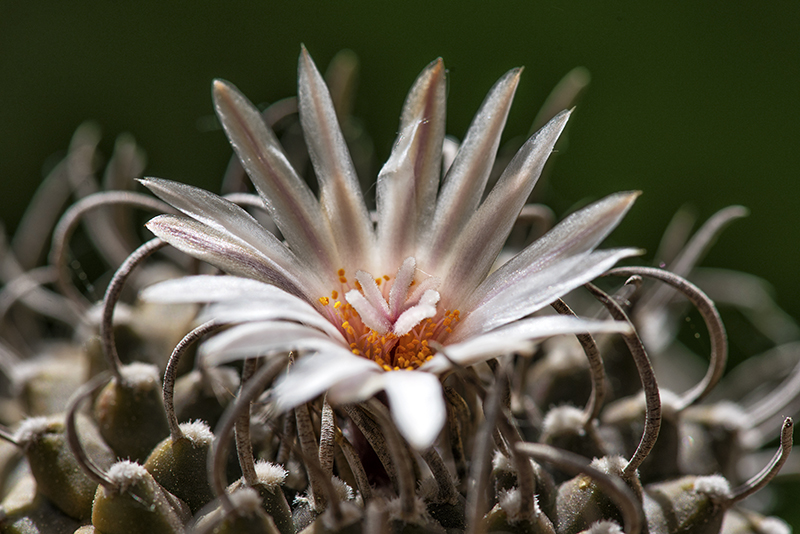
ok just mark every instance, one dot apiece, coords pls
pixel 580 232
pixel 538 289
pixel 518 337
pixel 478 244
pixel 208 288
pixel 226 252
pixel 340 191
pixel 252 310
pixel 314 374
pixel 291 203
pixel 466 178
pixel 407 184
pixel 264 338
pixel 417 406
pixel 225 216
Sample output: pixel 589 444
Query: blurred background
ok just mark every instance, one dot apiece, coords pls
pixel 696 105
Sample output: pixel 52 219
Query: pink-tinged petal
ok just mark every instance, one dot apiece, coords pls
pixel 538 289
pixel 314 374
pixel 265 338
pixel 417 406
pixel 478 244
pixel 407 184
pixel 225 216
pixel 466 178
pixel 580 232
pixel 518 337
pixel 340 191
pixel 230 254
pixel 292 205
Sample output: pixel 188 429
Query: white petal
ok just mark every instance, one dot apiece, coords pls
pixel 312 375
pixel 417 406
pixel 479 243
pixel 580 232
pixel 407 183
pixel 466 179
pixel 207 288
pixel 292 205
pixel 537 290
pixel 356 388
pixel 270 337
pixel 222 250
pixel 517 337
pixel 340 192
pixel 220 214
pixel 252 310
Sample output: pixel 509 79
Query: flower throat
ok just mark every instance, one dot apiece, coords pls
pixel 389 320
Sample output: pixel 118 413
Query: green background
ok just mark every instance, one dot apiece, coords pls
pixel 695 103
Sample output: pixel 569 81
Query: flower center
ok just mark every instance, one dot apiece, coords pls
pixel 390 320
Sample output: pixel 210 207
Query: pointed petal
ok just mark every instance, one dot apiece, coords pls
pixel 290 201
pixel 407 184
pixel 517 337
pixel 314 374
pixel 580 232
pixel 417 406
pixel 225 216
pixel 239 300
pixel 264 338
pixel 537 290
pixel 251 310
pixel 209 288
pixel 466 179
pixel 340 192
pixel 478 244
pixel 228 253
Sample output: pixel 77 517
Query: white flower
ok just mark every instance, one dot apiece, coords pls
pixel 363 302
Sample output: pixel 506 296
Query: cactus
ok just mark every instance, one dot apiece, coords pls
pixel 420 373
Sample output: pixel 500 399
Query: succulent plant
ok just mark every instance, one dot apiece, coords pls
pixel 440 361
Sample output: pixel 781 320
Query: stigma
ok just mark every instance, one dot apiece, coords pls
pixel 390 320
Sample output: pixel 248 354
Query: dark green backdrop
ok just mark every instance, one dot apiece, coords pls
pixel 695 103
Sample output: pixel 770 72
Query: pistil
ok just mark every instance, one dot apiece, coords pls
pixel 388 322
